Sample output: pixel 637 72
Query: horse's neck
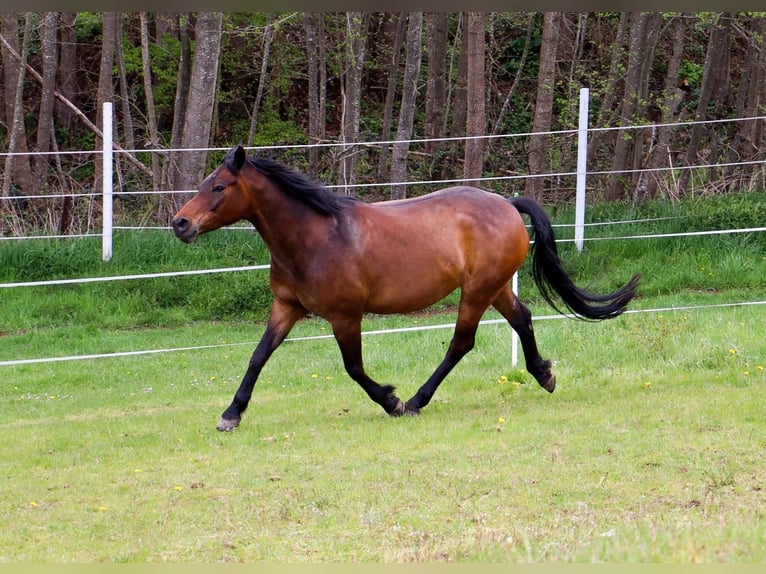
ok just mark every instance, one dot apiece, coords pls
pixel 288 227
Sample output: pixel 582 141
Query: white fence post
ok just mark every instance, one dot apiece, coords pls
pixel 514 336
pixel 107 157
pixel 582 168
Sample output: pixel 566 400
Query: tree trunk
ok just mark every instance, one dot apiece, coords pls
pixel 671 98
pixel 388 105
pixel 356 33
pixel 459 101
pixel 517 78
pixel 436 88
pixel 199 106
pixel 129 132
pixel 45 134
pixel 268 35
pixel 712 76
pixel 546 82
pixel 105 91
pixel 67 72
pixel 629 108
pixel 609 95
pixel 312 22
pixel 476 99
pixel 750 102
pixel 407 112
pixel 17 168
pixel 170 167
pixel 151 115
pixel 646 136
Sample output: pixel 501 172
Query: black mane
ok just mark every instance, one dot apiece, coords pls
pixel 297 185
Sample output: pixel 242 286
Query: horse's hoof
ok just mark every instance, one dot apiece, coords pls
pixel 411 410
pixel 398 410
pixel 227 425
pixel 550 383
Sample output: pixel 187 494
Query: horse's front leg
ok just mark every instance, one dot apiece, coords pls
pixel 348 334
pixel 281 319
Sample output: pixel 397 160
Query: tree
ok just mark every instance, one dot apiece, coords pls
pixel 170 167
pixel 546 82
pixel 476 98
pixel 460 88
pixel 668 104
pixel 356 29
pixel 151 114
pixel 105 92
pixel 199 104
pixel 522 61
pixel 317 93
pixel 643 25
pixel 339 77
pixel 712 79
pixel 747 142
pixel 49 52
pixel 125 101
pixel 67 70
pixel 436 86
pixel 608 93
pixel 413 56
pixel 17 168
pixel 268 35
pixel 388 106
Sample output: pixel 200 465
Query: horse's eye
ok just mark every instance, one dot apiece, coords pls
pixel 219 188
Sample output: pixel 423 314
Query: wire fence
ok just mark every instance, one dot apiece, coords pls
pixel 419 328
pixel 124 192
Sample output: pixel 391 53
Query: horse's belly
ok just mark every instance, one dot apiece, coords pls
pixel 406 298
pixel 411 285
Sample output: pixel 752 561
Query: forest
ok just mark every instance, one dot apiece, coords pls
pixel 370 102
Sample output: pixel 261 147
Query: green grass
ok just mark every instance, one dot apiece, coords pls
pixel 650 449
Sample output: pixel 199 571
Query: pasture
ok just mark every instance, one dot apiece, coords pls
pixel 650 449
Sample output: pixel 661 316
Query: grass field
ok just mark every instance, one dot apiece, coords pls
pixel 651 448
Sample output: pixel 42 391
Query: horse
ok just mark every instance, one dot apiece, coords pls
pixel 339 257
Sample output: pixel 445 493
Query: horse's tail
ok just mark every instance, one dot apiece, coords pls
pixel 550 275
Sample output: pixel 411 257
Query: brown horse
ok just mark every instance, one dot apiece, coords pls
pixel 338 258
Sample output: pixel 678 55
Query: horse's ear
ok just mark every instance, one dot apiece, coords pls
pixel 239 157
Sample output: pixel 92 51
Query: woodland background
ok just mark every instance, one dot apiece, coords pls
pixel 182 83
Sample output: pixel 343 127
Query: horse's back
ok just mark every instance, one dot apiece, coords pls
pixel 448 213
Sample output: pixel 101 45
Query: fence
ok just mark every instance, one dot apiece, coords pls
pixel 581 173
pixel 106 155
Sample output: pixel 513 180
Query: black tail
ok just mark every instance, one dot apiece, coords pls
pixel 550 275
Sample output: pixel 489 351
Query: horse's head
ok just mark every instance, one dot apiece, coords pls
pixel 221 200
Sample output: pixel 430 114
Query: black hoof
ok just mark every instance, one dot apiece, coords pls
pixel 549 384
pixel 227 425
pixel 398 410
pixel 411 410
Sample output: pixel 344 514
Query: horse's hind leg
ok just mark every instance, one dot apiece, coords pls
pixel 520 319
pixel 348 334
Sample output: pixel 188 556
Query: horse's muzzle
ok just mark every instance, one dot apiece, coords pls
pixel 184 229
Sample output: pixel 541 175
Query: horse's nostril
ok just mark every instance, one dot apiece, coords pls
pixel 180 224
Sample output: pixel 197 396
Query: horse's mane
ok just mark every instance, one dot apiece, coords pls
pixel 297 185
